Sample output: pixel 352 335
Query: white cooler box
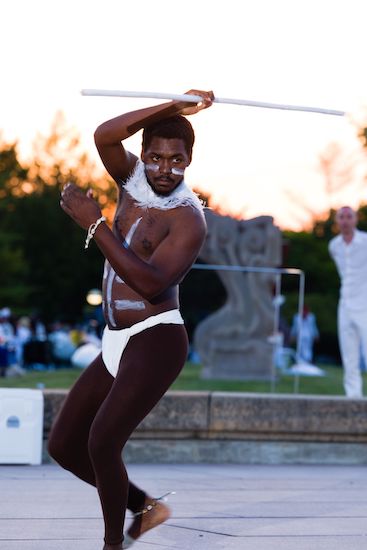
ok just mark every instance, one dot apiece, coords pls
pixel 21 426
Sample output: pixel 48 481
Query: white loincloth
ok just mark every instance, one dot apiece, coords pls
pixel 115 341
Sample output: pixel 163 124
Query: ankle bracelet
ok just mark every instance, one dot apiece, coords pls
pixel 155 501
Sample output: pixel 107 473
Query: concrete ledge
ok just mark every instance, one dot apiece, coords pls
pixel 177 413
pixel 185 412
pixel 53 400
pixel 166 451
pixel 240 427
pixel 288 417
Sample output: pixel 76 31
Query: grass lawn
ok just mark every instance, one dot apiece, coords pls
pixel 189 379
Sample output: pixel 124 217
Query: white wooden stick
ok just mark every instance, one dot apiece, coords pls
pixel 196 98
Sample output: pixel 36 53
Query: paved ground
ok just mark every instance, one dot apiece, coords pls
pixel 223 506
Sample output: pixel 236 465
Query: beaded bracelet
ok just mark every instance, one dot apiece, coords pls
pixel 91 231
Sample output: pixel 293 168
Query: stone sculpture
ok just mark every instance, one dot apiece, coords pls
pixel 233 342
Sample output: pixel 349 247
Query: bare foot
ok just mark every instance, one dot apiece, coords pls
pixel 157 514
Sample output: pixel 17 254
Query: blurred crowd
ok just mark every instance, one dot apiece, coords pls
pixel 26 343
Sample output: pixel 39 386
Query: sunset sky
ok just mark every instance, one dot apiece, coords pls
pixel 251 161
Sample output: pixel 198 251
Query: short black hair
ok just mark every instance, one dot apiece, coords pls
pixel 174 127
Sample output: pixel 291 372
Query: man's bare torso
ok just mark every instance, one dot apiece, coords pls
pixel 141 230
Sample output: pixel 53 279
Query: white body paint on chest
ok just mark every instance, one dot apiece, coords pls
pixel 110 275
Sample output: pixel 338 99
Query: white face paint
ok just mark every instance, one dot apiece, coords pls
pixel 151 167
pixel 155 168
pixel 177 171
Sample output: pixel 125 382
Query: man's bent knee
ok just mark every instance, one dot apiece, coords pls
pixel 102 448
pixel 61 451
pixel 55 449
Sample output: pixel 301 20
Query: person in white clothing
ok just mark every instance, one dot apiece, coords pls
pixel 307 327
pixel 349 252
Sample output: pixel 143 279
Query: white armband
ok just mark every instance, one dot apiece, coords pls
pixel 91 231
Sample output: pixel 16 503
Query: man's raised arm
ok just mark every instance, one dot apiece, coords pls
pixel 108 136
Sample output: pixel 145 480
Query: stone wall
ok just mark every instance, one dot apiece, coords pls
pixel 244 428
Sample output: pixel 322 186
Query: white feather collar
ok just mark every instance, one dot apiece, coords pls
pixel 139 189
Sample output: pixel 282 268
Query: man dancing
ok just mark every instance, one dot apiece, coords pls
pixel 158 230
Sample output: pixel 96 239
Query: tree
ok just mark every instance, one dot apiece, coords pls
pixel 14 270
pixel 341 171
pixel 44 266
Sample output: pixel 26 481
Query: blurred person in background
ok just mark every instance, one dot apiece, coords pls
pixel 306 329
pixel 7 336
pixel 23 335
pixel 349 252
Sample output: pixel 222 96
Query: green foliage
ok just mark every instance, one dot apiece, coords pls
pixel 59 271
pixel 14 270
pixel 201 293
pixel 44 265
pixel 11 172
